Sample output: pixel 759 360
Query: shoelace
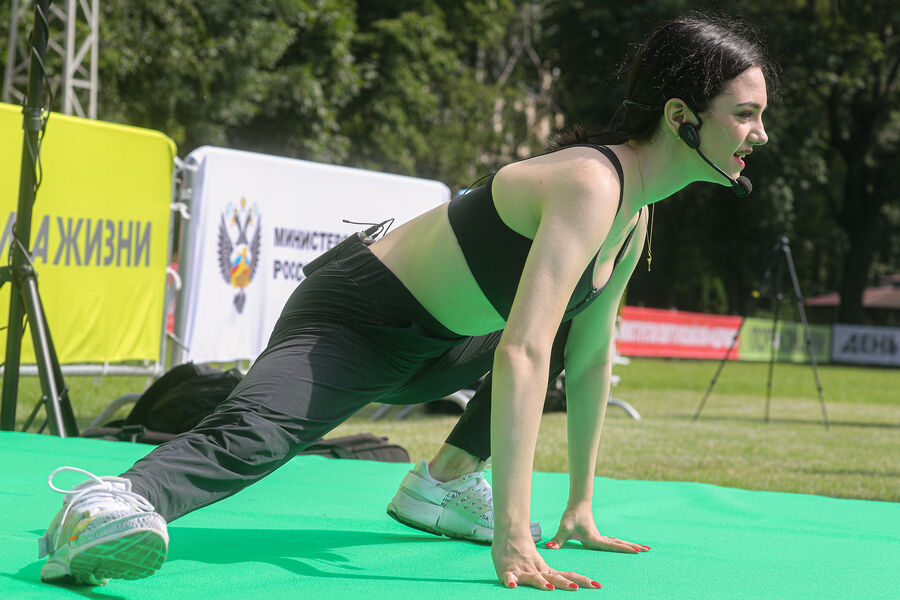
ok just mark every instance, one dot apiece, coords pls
pixel 482 491
pixel 90 496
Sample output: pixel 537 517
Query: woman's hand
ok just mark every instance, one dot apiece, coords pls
pixel 517 562
pixel 578 524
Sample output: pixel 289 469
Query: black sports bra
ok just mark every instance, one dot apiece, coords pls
pixel 496 254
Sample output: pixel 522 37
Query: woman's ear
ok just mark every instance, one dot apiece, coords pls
pixel 676 113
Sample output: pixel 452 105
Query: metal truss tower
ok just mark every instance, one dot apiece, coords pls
pixel 76 40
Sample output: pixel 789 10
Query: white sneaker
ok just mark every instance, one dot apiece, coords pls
pixel 103 531
pixel 460 508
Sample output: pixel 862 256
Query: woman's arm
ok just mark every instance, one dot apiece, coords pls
pixel 588 363
pixel 578 202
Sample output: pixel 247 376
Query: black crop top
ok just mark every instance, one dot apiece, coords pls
pixel 496 254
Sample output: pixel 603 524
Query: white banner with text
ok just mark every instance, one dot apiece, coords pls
pixel 255 221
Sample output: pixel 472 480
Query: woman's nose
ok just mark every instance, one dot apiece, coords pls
pixel 759 137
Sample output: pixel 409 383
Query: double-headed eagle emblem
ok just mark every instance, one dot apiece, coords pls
pixel 238 261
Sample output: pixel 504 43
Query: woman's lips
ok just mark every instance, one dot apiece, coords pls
pixel 739 160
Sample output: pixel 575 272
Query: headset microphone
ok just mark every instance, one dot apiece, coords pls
pixel 740 186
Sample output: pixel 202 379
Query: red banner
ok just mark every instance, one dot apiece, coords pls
pixel 675 334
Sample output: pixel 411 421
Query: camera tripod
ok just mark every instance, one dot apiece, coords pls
pixel 781 248
pixel 24 299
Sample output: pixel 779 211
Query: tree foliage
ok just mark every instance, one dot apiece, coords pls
pixel 451 89
pixel 215 71
pixel 824 180
pixel 859 95
pixel 839 126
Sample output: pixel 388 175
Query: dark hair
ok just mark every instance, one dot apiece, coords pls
pixel 692 58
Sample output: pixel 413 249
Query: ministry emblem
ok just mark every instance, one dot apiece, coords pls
pixel 239 259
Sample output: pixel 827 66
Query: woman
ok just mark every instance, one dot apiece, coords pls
pixel 521 277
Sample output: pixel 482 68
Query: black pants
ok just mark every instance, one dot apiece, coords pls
pixel 350 334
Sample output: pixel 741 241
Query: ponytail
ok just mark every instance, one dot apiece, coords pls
pixel 582 135
pixel 639 122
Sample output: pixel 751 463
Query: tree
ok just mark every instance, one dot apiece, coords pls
pixel 396 86
pixel 451 89
pixel 444 91
pixel 841 98
pixel 202 71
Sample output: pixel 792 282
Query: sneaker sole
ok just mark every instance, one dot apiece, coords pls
pixel 136 555
pixel 395 514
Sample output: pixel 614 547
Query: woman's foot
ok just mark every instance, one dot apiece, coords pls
pixel 104 531
pixel 460 508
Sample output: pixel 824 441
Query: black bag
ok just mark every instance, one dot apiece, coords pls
pixel 363 446
pixel 173 404
pixel 183 397
pixel 186 394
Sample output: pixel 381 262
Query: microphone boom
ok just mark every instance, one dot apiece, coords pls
pixel 740 186
pixel 690 135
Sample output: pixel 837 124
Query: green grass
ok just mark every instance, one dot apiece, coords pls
pixel 729 445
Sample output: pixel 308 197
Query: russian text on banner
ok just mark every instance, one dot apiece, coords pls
pixel 866 345
pixel 675 333
pixel 789 342
pixel 100 234
pixel 256 220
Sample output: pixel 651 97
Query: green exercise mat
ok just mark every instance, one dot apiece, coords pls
pixel 317 528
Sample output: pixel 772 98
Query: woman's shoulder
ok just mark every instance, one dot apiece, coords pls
pixel 573 177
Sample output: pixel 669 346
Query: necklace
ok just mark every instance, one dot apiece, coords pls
pixel 650 236
pixel 652 212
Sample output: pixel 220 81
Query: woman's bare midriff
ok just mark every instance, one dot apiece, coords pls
pixel 425 257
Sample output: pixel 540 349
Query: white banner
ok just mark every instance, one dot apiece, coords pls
pixel 255 221
pixel 866 345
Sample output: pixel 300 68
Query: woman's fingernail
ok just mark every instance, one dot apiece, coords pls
pixel 552 545
pixel 596 585
pixel 574 586
pixel 512 584
pixel 550 586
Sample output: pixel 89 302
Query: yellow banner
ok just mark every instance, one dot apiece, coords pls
pixel 99 235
